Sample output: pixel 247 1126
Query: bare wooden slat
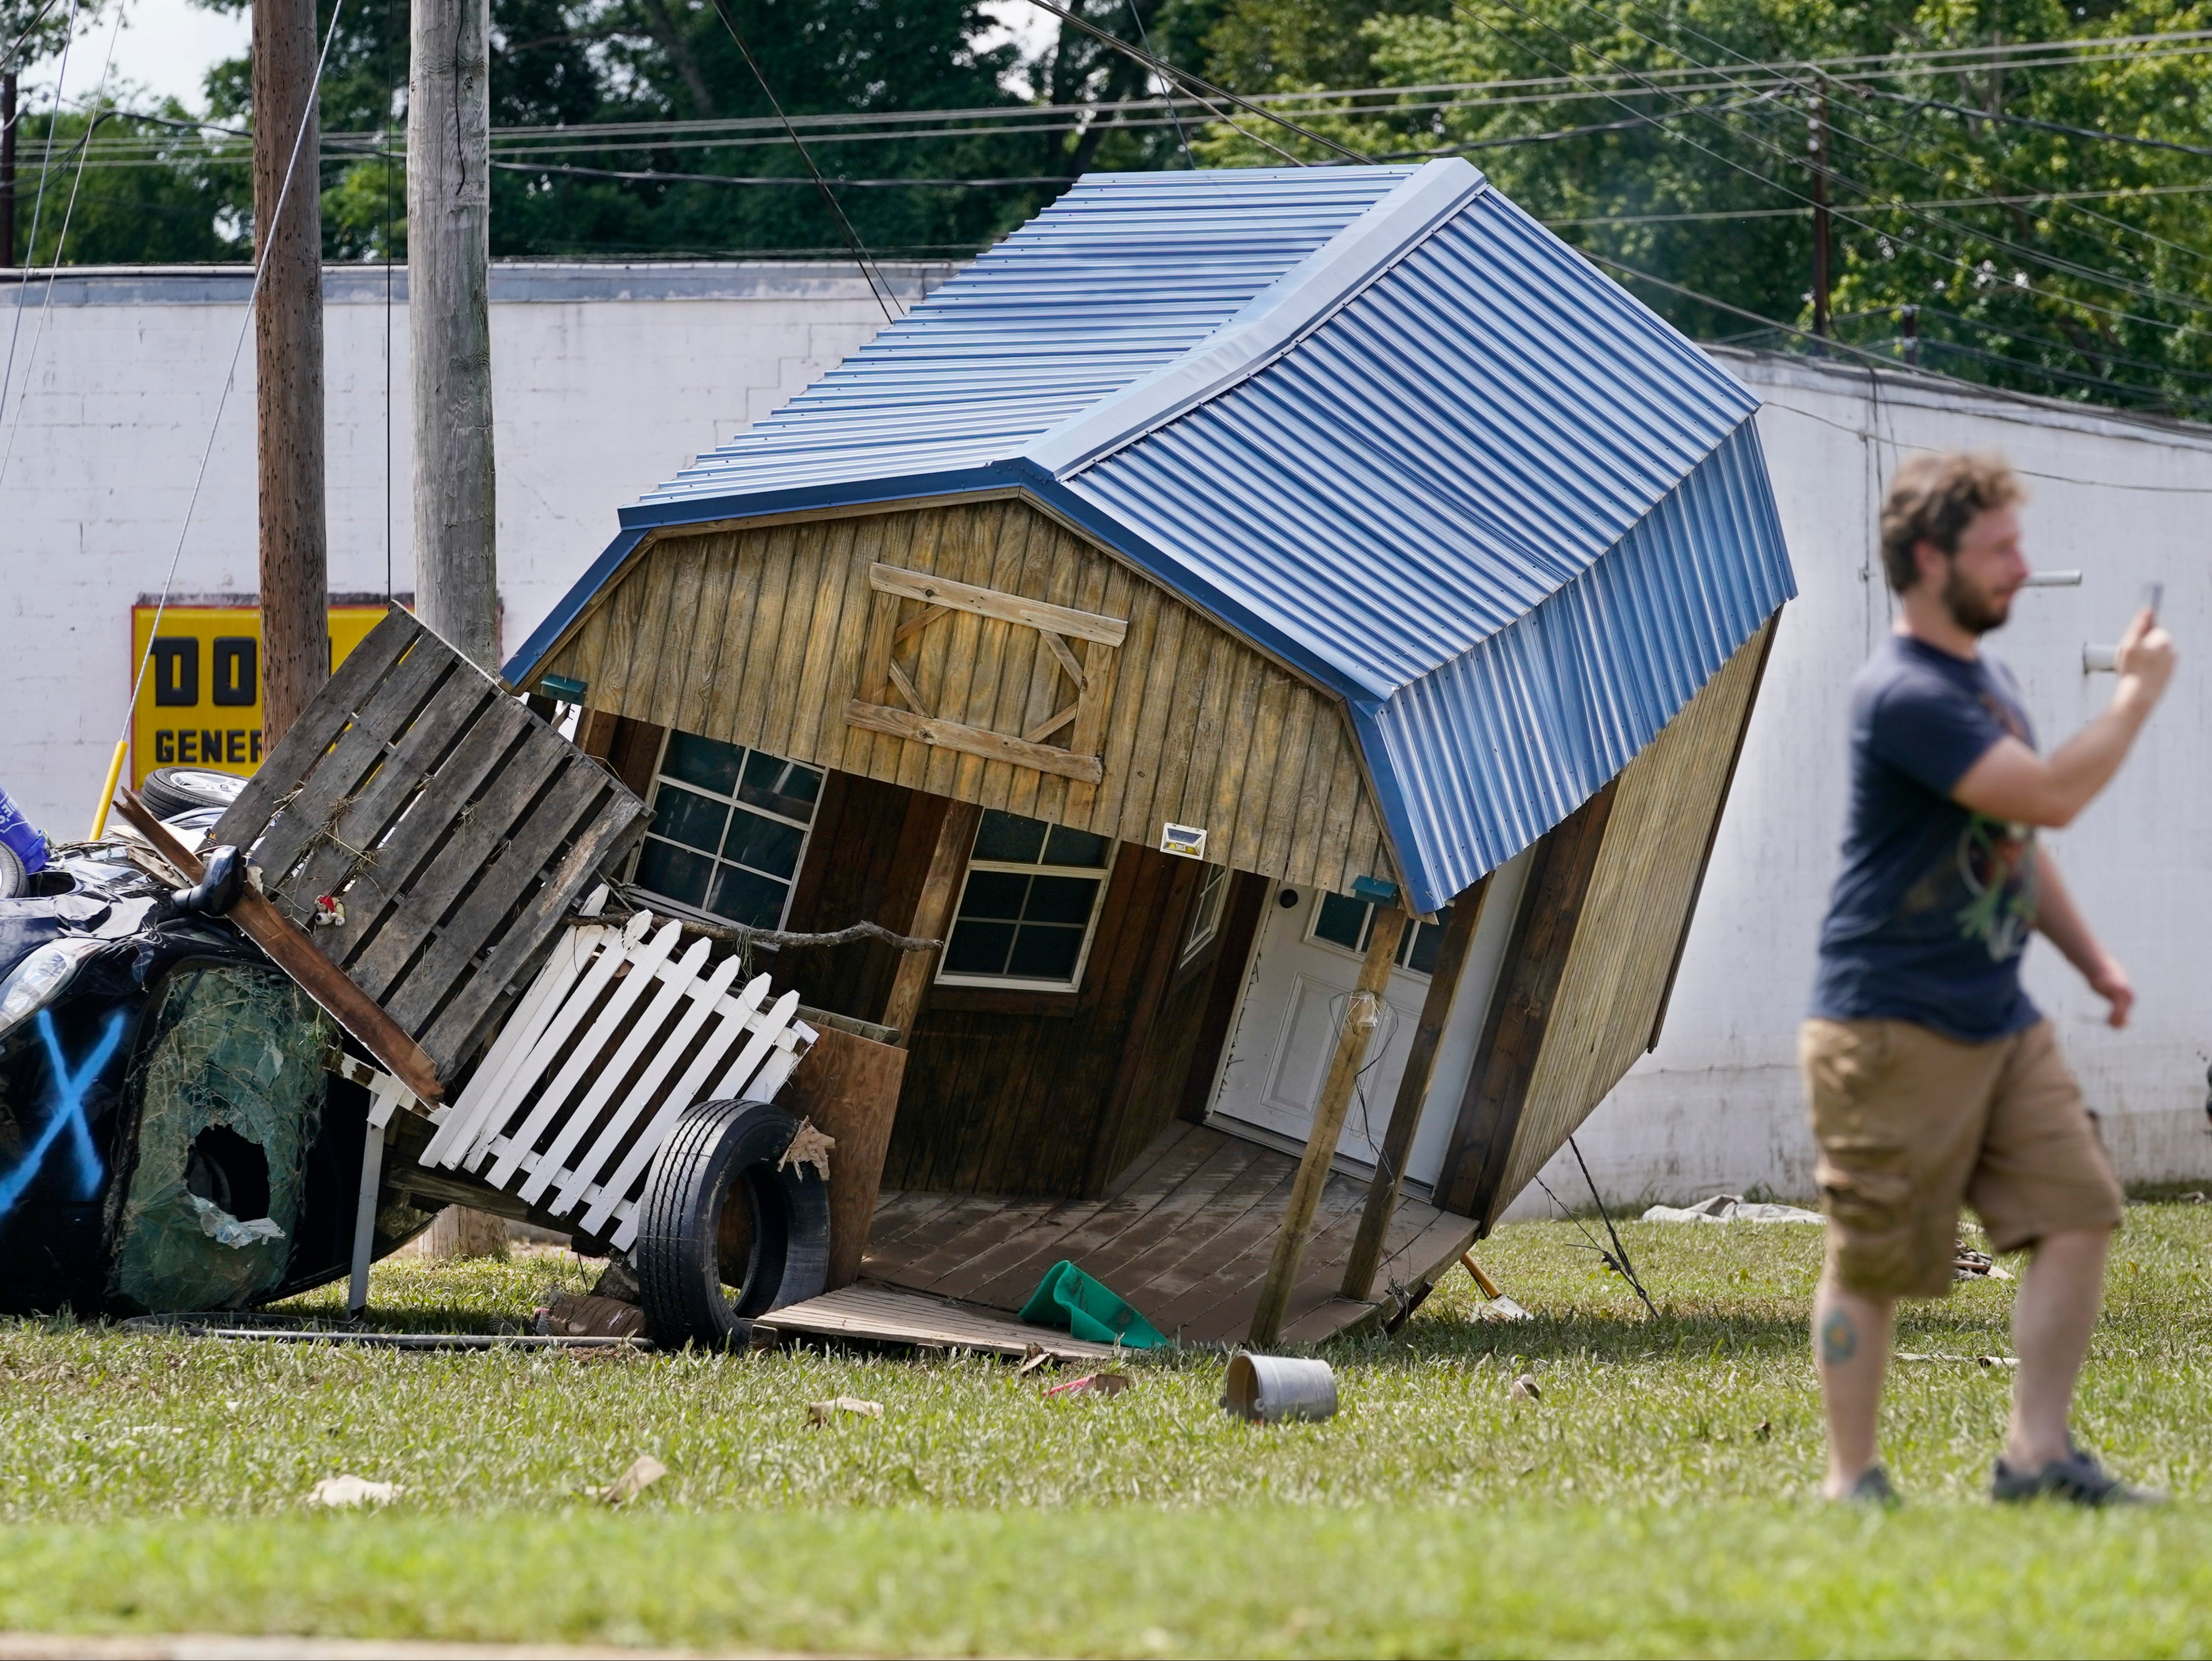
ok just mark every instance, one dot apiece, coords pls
pixel 884 1315
pixel 953 735
pixel 1009 608
pixel 351 682
pixel 379 803
pixel 342 770
pixel 615 822
pixel 509 868
pixel 380 889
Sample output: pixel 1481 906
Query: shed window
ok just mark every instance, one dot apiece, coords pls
pixel 1206 919
pixel 1345 922
pixel 729 828
pixel 1029 906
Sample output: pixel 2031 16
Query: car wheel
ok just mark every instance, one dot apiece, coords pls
pixel 170 790
pixel 13 881
pixel 724 1234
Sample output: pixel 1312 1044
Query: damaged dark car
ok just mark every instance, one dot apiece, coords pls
pixel 171 1134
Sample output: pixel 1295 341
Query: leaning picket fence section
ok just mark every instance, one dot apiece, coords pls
pixel 613 1040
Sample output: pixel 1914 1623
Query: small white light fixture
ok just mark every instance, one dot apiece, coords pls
pixel 1185 840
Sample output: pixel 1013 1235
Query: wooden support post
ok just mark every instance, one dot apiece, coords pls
pixel 1412 1091
pixel 7 170
pixel 933 916
pixel 1361 1013
pixel 449 322
pixel 288 357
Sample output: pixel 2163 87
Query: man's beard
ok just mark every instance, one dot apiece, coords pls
pixel 1977 613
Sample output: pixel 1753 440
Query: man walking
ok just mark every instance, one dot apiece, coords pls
pixel 1931 1077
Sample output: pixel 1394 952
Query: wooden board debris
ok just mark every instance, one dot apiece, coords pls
pixel 882 1314
pixel 430 832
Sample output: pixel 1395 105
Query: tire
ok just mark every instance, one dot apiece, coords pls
pixel 170 790
pixel 13 881
pixel 690 1237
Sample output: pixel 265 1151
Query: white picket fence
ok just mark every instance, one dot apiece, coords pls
pixel 581 1087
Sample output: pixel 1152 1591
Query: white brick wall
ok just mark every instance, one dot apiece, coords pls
pixel 607 379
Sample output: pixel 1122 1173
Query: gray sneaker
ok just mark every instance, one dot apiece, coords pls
pixel 1873 1489
pixel 2078 1479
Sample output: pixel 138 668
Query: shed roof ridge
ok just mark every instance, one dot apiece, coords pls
pixel 1268 325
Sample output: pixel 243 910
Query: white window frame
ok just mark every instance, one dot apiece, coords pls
pixel 1102 875
pixel 674 907
pixel 1402 965
pixel 1206 919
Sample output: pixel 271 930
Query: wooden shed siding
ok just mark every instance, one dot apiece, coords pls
pixel 757 636
pixel 1633 916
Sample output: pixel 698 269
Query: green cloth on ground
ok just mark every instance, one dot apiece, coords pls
pixel 1070 1299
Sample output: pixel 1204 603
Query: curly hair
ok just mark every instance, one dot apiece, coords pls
pixel 1934 498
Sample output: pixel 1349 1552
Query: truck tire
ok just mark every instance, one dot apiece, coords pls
pixel 13 882
pixel 724 1236
pixel 170 790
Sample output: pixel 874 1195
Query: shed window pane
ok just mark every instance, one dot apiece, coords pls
pixel 729 830
pixel 1005 836
pixel 1346 922
pixel 703 762
pixel 1206 915
pixel 1029 905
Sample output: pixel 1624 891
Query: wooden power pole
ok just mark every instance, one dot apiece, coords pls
pixel 449 348
pixel 449 321
pixel 288 339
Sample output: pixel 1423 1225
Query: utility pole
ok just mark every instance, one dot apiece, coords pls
pixel 8 168
pixel 449 322
pixel 288 360
pixel 449 348
pixel 1817 143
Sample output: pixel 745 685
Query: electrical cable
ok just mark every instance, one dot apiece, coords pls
pixel 1845 347
pixel 650 175
pixel 2017 250
pixel 1626 1268
pixel 1845 215
pixel 2105 219
pixel 16 45
pixel 1198 84
pixel 37 208
pixel 876 286
pixel 1182 138
pixel 61 245
pixel 230 379
pixel 2010 119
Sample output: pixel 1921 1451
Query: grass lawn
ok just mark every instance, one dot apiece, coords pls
pixel 1658 1497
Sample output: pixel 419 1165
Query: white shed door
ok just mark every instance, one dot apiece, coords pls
pixel 1306 963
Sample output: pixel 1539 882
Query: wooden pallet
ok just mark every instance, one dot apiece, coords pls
pixel 615 1038
pixel 429 832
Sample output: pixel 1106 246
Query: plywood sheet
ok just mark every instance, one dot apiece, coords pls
pixel 881 1314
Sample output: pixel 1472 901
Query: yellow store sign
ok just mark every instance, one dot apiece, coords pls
pixel 200 703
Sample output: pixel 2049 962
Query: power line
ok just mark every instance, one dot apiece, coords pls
pixel 1848 217
pixel 867 269
pixel 2018 250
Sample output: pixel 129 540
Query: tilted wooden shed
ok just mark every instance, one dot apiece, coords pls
pixel 1290 633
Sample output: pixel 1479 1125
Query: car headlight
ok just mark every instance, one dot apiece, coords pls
pixel 41 978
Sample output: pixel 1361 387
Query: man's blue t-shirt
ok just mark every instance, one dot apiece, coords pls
pixel 1936 902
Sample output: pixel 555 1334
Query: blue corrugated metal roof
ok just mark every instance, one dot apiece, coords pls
pixel 1068 309
pixel 1377 420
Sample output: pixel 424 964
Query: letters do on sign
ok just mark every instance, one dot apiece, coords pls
pixel 1187 840
pixel 200 703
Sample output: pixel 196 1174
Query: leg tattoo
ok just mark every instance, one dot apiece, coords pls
pixel 1839 1338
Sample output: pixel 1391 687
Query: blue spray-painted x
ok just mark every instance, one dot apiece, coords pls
pixel 69 1088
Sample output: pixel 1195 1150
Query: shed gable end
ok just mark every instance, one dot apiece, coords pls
pixel 795 638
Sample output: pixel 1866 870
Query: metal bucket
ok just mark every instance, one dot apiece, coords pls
pixel 1273 1388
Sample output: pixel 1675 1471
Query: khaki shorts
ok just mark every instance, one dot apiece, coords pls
pixel 1911 1124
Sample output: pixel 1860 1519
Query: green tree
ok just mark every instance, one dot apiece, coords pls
pixel 161 194
pixel 1970 230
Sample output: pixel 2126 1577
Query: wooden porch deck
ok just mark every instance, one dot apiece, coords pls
pixel 1184 1237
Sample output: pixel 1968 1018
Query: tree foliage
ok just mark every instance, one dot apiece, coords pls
pixel 1987 221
